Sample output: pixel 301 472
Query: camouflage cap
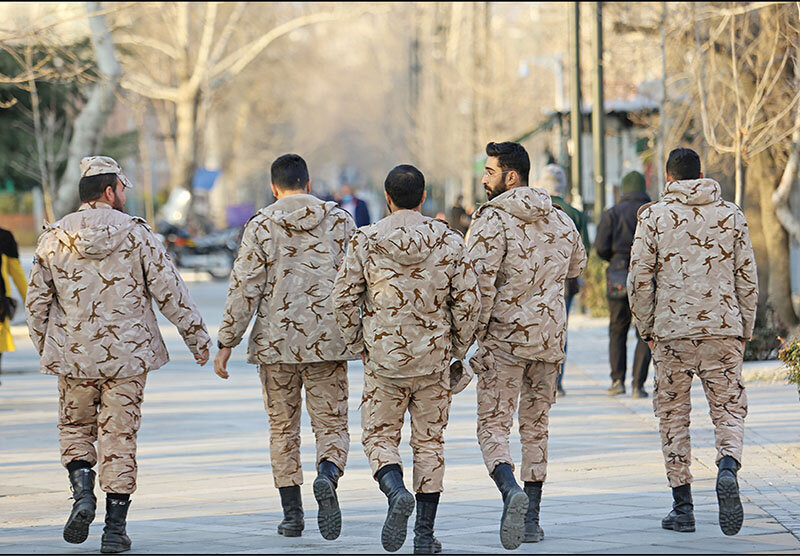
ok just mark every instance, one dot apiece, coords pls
pixel 96 165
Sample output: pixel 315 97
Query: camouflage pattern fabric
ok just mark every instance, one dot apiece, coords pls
pixel 407 294
pixel 427 399
pixel 326 389
pixel 106 411
pixel 89 307
pixel 284 273
pixel 692 270
pixel 505 380
pixel 718 364
pixel 524 249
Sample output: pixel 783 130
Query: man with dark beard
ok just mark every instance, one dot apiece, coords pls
pixel 523 248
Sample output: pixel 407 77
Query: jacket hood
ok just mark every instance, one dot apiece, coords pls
pixel 526 203
pixel 93 233
pixel 703 191
pixel 407 237
pixel 298 212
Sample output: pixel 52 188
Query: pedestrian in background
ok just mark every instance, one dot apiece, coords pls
pixel 10 269
pixel 407 300
pixel 693 290
pixel 356 207
pixel 459 217
pixel 554 181
pixel 523 249
pixel 284 274
pixel 95 275
pixel 613 243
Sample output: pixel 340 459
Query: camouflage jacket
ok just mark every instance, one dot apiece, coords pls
pixel 284 273
pixel 89 306
pixel 692 271
pixel 524 248
pixel 408 295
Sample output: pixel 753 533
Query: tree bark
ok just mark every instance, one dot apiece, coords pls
pixel 87 135
pixel 764 173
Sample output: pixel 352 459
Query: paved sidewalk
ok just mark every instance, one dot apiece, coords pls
pixel 205 483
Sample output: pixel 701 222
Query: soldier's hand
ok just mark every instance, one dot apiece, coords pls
pixel 364 357
pixel 652 345
pixel 221 362
pixel 202 358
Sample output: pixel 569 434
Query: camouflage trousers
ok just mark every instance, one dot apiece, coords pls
pixel 107 411
pixel 383 407
pixel 326 389
pixel 505 380
pixel 718 364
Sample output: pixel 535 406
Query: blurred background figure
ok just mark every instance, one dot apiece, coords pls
pixel 355 206
pixel 554 181
pixel 459 217
pixel 613 243
pixel 9 269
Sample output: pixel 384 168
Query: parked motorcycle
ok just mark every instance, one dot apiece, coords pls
pixel 213 253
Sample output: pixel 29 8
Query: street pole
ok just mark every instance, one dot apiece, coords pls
pixel 598 116
pixel 575 104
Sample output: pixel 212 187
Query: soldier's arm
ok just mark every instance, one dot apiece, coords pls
pixel 745 274
pixel 247 283
pixel 41 293
pixel 577 260
pixel 464 302
pixel 487 247
pixel 170 293
pixel 349 289
pixel 641 277
pixel 602 242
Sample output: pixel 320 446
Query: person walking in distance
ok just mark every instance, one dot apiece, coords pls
pixel 554 181
pixel 613 243
pixel 95 275
pixel 523 248
pixel 693 291
pixel 284 274
pixel 406 299
pixel 9 268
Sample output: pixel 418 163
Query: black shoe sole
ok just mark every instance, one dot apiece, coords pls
pixel 512 527
pixel 731 514
pixel 395 528
pixel 76 529
pixel 114 548
pixel 329 516
pixel 678 528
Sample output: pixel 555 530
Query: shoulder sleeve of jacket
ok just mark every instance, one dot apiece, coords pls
pixel 603 243
pixel 641 283
pixel 487 248
pixel 745 277
pixel 349 290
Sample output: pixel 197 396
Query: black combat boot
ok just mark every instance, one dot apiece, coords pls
pixel 292 503
pixel 533 532
pixel 401 504
pixel 424 541
pixel 515 506
pixel 115 539
pixel 329 517
pixel 83 509
pixel 731 513
pixel 681 518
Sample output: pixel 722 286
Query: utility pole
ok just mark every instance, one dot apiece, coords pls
pixel 598 116
pixel 575 108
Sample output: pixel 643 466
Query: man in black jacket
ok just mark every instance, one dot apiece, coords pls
pixel 613 243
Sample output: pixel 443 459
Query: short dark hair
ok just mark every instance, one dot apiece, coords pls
pixel 92 188
pixel 511 156
pixel 683 164
pixel 289 171
pixel 405 186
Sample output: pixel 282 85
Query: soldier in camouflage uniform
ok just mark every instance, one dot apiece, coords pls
pixel 693 294
pixel 406 299
pixel 284 273
pixel 523 248
pixel 89 310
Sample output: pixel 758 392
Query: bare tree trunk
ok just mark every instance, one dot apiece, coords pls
pixel 38 133
pixel 87 135
pixel 764 174
pixel 182 171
